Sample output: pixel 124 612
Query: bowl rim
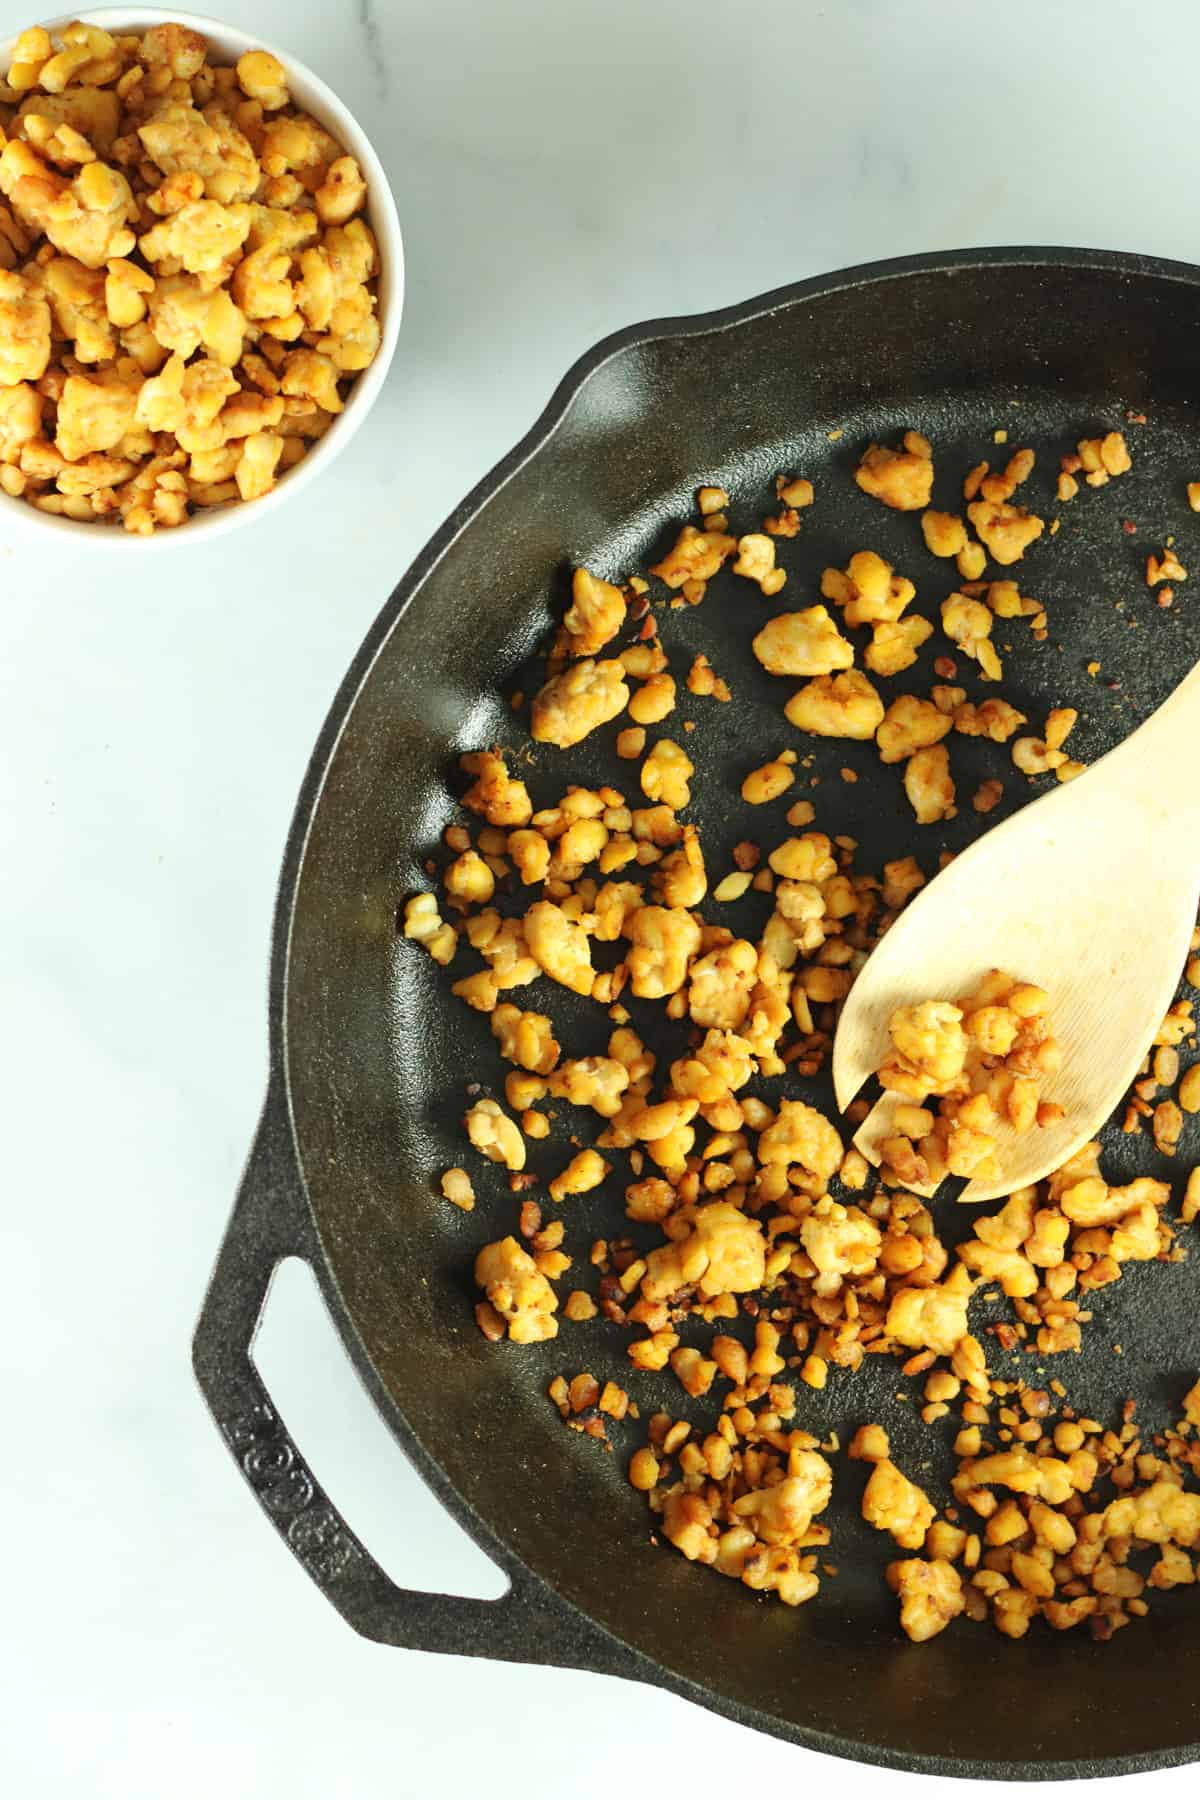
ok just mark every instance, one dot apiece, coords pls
pixel 232 41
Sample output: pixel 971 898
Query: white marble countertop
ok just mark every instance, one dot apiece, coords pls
pixel 561 170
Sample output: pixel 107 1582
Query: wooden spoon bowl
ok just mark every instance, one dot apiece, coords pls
pixel 1091 893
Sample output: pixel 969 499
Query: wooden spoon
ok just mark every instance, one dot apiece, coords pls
pixel 1091 893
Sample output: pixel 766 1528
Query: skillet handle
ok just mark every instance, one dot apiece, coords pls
pixel 271 1222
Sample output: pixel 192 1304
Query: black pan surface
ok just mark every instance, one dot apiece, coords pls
pixel 1048 346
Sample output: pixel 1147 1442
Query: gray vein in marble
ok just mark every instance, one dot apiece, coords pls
pixel 376 47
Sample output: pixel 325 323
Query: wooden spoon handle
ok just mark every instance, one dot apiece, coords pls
pixel 1158 763
pixel 1175 724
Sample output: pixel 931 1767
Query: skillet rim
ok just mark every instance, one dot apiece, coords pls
pixel 537 440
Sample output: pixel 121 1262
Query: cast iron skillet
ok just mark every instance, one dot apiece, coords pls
pixel 370 1057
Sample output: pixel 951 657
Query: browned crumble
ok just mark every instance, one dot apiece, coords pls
pixel 762 1211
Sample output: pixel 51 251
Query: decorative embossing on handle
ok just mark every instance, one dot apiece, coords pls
pixel 281 1479
pixel 318 1539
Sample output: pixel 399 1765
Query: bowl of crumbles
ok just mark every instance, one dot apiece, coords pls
pixel 201 276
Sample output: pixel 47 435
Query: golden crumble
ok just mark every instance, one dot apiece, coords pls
pixel 760 1260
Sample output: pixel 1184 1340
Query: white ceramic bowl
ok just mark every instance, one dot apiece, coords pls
pixel 310 92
